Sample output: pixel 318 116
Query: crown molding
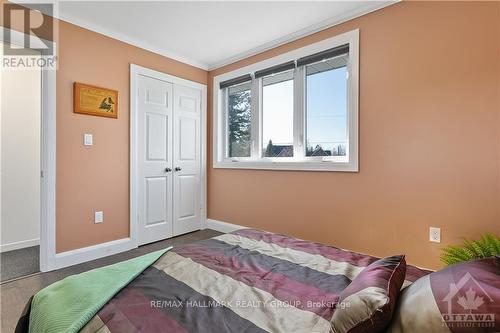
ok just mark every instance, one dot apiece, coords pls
pixel 370 7
pixel 336 20
pixel 132 41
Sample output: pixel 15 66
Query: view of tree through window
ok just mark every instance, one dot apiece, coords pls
pixel 239 120
pixel 326 108
pixel 277 115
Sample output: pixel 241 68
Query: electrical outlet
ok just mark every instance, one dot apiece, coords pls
pixel 435 234
pixel 98 217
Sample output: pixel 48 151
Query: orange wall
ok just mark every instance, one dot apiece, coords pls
pixel 97 178
pixel 429 141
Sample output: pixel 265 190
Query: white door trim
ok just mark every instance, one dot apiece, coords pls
pixel 136 70
pixel 47 156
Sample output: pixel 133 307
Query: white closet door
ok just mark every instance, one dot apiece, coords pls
pixel 155 176
pixel 187 187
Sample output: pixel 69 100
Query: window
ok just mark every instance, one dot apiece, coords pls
pixel 277 115
pixel 326 107
pixel 297 111
pixel 239 119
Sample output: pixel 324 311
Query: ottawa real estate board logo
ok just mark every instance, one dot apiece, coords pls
pixel 467 305
pixel 28 33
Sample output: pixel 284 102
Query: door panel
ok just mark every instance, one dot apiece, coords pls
pixel 156 196
pixel 154 106
pixel 187 139
pixel 187 191
pixel 187 163
pixel 188 103
pixel 158 97
pixel 157 142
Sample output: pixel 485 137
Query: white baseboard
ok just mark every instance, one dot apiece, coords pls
pixel 79 256
pixel 223 226
pixel 19 245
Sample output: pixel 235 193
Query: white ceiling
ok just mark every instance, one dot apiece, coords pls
pixel 209 34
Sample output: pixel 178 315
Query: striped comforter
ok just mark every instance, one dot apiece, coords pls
pixel 246 281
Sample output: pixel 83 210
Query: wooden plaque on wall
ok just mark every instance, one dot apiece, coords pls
pixel 95 101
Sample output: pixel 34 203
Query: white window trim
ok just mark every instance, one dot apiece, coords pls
pixel 307 163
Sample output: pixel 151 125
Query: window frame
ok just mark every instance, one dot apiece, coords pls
pixel 299 161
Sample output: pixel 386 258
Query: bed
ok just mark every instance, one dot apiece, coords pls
pixel 245 281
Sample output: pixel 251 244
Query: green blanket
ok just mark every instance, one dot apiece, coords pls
pixel 67 305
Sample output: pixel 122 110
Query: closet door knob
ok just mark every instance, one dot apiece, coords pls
pixel 178 168
pixel 168 170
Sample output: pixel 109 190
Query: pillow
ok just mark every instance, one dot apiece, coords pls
pixel 367 304
pixel 464 297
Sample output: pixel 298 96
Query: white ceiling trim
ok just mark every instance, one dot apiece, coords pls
pixel 132 41
pixel 371 7
pixel 304 32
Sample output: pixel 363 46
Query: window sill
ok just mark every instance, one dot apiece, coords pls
pixel 289 165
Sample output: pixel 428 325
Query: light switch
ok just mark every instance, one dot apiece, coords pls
pixel 88 139
pixel 98 217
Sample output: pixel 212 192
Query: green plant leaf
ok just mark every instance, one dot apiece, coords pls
pixel 488 245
